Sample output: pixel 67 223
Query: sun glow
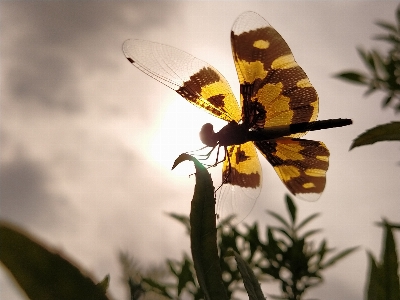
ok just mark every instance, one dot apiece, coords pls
pixel 178 132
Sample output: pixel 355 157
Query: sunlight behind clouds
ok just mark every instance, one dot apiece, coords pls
pixel 88 141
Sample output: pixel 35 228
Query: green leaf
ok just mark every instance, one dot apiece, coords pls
pixel 387 26
pixel 279 218
pixel 390 265
pixel 103 285
pixel 250 281
pixel 353 77
pixel 387 38
pixel 137 290
pixel 43 273
pixel 185 276
pixel 338 256
pixel 307 220
pixel 384 132
pixel 375 288
pixel 203 235
pixel 398 15
pixel 368 59
pixel 387 100
pixel 181 218
pixel 311 232
pixel 292 208
pixel 283 231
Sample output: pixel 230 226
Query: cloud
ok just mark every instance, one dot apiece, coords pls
pixel 48 46
pixel 25 195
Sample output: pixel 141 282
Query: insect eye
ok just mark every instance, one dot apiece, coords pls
pixel 207 135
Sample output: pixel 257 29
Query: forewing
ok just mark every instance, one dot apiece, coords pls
pixel 300 164
pixel 269 74
pixel 193 79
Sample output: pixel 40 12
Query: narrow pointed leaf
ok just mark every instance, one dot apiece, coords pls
pixel 203 235
pixel 339 256
pixel 250 281
pixel 103 285
pixel 137 290
pixel 374 288
pixel 384 132
pixel 368 60
pixel 181 218
pixel 390 266
pixel 291 207
pixel 387 26
pixel 279 218
pixel 309 233
pixel 306 221
pixel 43 273
pixel 352 76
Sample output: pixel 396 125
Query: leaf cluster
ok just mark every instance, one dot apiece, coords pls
pixel 286 256
pixel 384 282
pixel 383 70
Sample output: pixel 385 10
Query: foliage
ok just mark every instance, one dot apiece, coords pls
pixel 286 256
pixel 384 75
pixel 384 280
pixel 42 273
pixel 384 71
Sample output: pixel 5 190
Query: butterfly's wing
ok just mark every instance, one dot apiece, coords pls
pixel 300 164
pixel 269 75
pixel 193 79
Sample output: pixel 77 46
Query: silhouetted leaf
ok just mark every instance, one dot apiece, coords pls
pixel 390 265
pixel 307 220
pixel 103 285
pixel 353 76
pixel 385 132
pixel 292 208
pixel 185 276
pixel 42 273
pixel 283 231
pixel 181 218
pixel 250 281
pixel 387 26
pixel 203 235
pixel 279 218
pixel 387 37
pixel 338 256
pixel 137 290
pixel 311 232
pixel 368 59
pixel 375 287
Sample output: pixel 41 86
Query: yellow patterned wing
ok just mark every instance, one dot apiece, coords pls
pixel 193 79
pixel 269 74
pixel 300 164
pixel 202 85
pixel 242 167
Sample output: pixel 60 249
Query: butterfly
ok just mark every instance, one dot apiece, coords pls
pixel 278 106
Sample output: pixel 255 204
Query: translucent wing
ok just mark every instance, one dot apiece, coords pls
pixel 300 164
pixel 193 79
pixel 269 75
pixel 243 175
pixel 243 161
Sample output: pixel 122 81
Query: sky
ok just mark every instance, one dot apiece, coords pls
pixel 88 141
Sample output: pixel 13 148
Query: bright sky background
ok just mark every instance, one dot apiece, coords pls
pixel 88 141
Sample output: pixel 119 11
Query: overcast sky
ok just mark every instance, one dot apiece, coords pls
pixel 88 141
